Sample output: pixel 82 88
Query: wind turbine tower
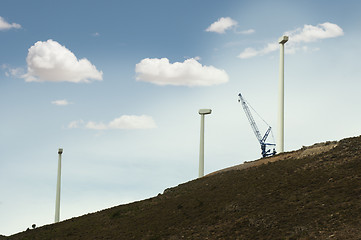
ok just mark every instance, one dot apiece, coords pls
pixel 57 201
pixel 202 112
pixel 281 95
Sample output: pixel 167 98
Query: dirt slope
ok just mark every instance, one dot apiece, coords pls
pixel 313 150
pixel 313 193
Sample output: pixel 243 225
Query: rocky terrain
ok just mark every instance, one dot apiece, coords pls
pixel 312 193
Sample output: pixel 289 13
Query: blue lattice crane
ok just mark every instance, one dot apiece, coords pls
pixel 262 140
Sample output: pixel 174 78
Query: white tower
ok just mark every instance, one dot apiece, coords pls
pixel 202 112
pixel 57 201
pixel 281 95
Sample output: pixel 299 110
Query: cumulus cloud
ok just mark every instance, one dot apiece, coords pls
pixel 297 37
pixel 4 25
pixel 123 122
pixel 187 73
pixel 63 102
pixel 52 62
pixel 221 25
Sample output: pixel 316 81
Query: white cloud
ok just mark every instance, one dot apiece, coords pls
pixel 123 122
pixel 52 62
pixel 96 126
pixel 221 25
pixel 307 34
pixel 75 124
pixel 251 52
pixel 311 33
pixel 15 72
pixel 132 122
pixel 63 102
pixel 248 53
pixel 4 25
pixel 187 73
pixel 247 32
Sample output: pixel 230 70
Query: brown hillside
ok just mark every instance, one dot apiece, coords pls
pixel 313 193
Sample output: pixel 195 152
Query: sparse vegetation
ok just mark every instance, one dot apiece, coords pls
pixel 310 196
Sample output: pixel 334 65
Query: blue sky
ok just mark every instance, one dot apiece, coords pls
pixel 118 85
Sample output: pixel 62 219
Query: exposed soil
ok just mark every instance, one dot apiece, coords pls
pixel 312 193
pixel 313 150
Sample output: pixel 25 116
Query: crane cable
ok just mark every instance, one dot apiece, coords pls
pixel 256 112
pixel 259 117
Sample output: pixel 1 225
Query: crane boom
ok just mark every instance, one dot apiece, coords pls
pixel 261 140
pixel 250 118
pixel 266 134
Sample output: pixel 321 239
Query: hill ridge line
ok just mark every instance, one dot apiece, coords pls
pixel 305 151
